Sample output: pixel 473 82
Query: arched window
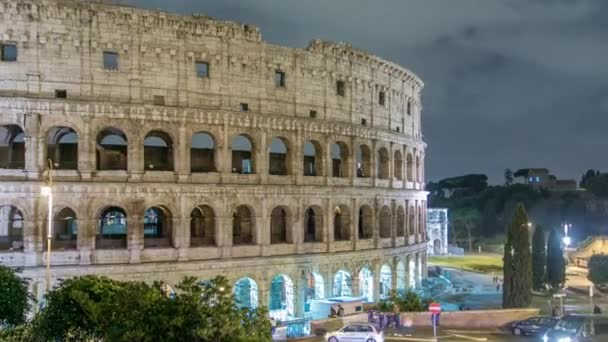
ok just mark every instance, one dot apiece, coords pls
pixel 410 168
pixel 382 163
pixel 401 278
pixel 366 222
pixel 278 157
pixel 341 223
pixel 313 225
pixel 11 229
pixel 12 147
pixel 281 301
pixel 339 158
pixel 242 155
pixel 278 226
pixel 202 226
pixel 343 284
pixel 386 276
pixel 112 229
pixel 158 152
pixel 62 148
pixel 246 293
pixel 313 162
pixel 111 150
pixel 411 223
pixel 400 222
pixel 65 229
pixel 242 226
pixel 366 284
pixel 398 165
pixel 202 153
pixel 385 222
pixel 363 161
pixel 157 227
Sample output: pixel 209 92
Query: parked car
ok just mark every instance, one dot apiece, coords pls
pixel 356 332
pixel 572 328
pixel 533 326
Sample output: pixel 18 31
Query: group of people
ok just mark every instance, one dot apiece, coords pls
pixel 336 311
pixel 384 320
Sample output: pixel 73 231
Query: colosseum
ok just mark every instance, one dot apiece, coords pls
pixel 188 146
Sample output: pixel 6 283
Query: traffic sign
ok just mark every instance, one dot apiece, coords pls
pixel 435 308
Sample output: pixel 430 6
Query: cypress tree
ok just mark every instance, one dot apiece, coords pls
pixel 517 268
pixel 538 258
pixel 556 266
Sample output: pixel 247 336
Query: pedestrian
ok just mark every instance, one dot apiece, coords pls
pixel 597 310
pixel 370 316
pixel 497 287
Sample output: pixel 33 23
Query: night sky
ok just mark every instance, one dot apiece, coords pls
pixel 509 83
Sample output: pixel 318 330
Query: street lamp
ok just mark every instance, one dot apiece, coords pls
pixel 567 240
pixel 47 191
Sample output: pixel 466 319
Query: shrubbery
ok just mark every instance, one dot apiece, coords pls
pixel 406 302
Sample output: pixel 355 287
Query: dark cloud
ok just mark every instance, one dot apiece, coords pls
pixel 509 83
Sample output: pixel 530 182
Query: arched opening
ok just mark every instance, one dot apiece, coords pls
pixel 437 247
pixel 242 226
pixel 62 148
pixel 157 227
pixel 246 293
pixel 65 229
pixel 410 168
pixel 278 226
pixel 313 225
pixel 385 281
pixel 242 155
pixel 313 162
pixel 11 229
pixel 111 150
pixel 341 223
pixel 158 152
pixel 315 289
pixel 363 161
pixel 411 224
pixel 281 301
pixel 12 147
pixel 400 224
pixel 202 226
pixel 366 222
pixel 418 170
pixel 385 222
pixel 412 273
pixel 382 163
pixel 278 157
pixel 401 278
pixel 366 284
pixel 112 229
pixel 202 153
pixel 339 159
pixel 398 165
pixel 343 284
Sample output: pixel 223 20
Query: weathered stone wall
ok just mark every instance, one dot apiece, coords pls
pixel 60 47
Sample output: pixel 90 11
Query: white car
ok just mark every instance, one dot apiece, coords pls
pixel 356 332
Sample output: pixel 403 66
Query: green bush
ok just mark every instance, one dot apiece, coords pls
pixel 406 302
pixel 14 297
pixel 598 269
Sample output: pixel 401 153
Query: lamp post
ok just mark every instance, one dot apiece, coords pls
pixel 47 191
pixel 567 240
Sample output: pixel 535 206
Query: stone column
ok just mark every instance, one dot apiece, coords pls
pixel 299 296
pixel 297 158
pixel 328 163
pixel 32 242
pixel 87 231
pixel 355 285
pixel 329 284
pixel 224 230
pixel 264 289
pixel 135 156
pixel 261 156
pixel 86 152
pixel 376 277
pixel 262 229
pixel 393 266
pixel 182 165
pixel 391 164
pixel 223 152
pixel 33 153
pixel 135 231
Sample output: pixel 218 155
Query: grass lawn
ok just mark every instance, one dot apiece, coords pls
pixel 484 263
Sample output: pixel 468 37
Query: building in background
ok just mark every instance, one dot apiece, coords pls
pixel 437 224
pixel 188 146
pixel 540 178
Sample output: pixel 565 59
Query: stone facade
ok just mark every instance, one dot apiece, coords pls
pixel 437 228
pixel 114 96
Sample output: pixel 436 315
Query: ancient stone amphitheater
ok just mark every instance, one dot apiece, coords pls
pixel 188 146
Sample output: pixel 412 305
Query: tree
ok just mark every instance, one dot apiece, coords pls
pixel 538 258
pixel 586 178
pixel 517 268
pixel 598 185
pixel 556 265
pixel 14 297
pixel 508 177
pixel 98 308
pixel 467 218
pixel 598 269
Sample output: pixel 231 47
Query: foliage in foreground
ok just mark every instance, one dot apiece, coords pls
pixel 14 298
pixel 517 287
pixel 406 302
pixel 100 309
pixel 556 264
pixel 539 257
pixel 598 269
